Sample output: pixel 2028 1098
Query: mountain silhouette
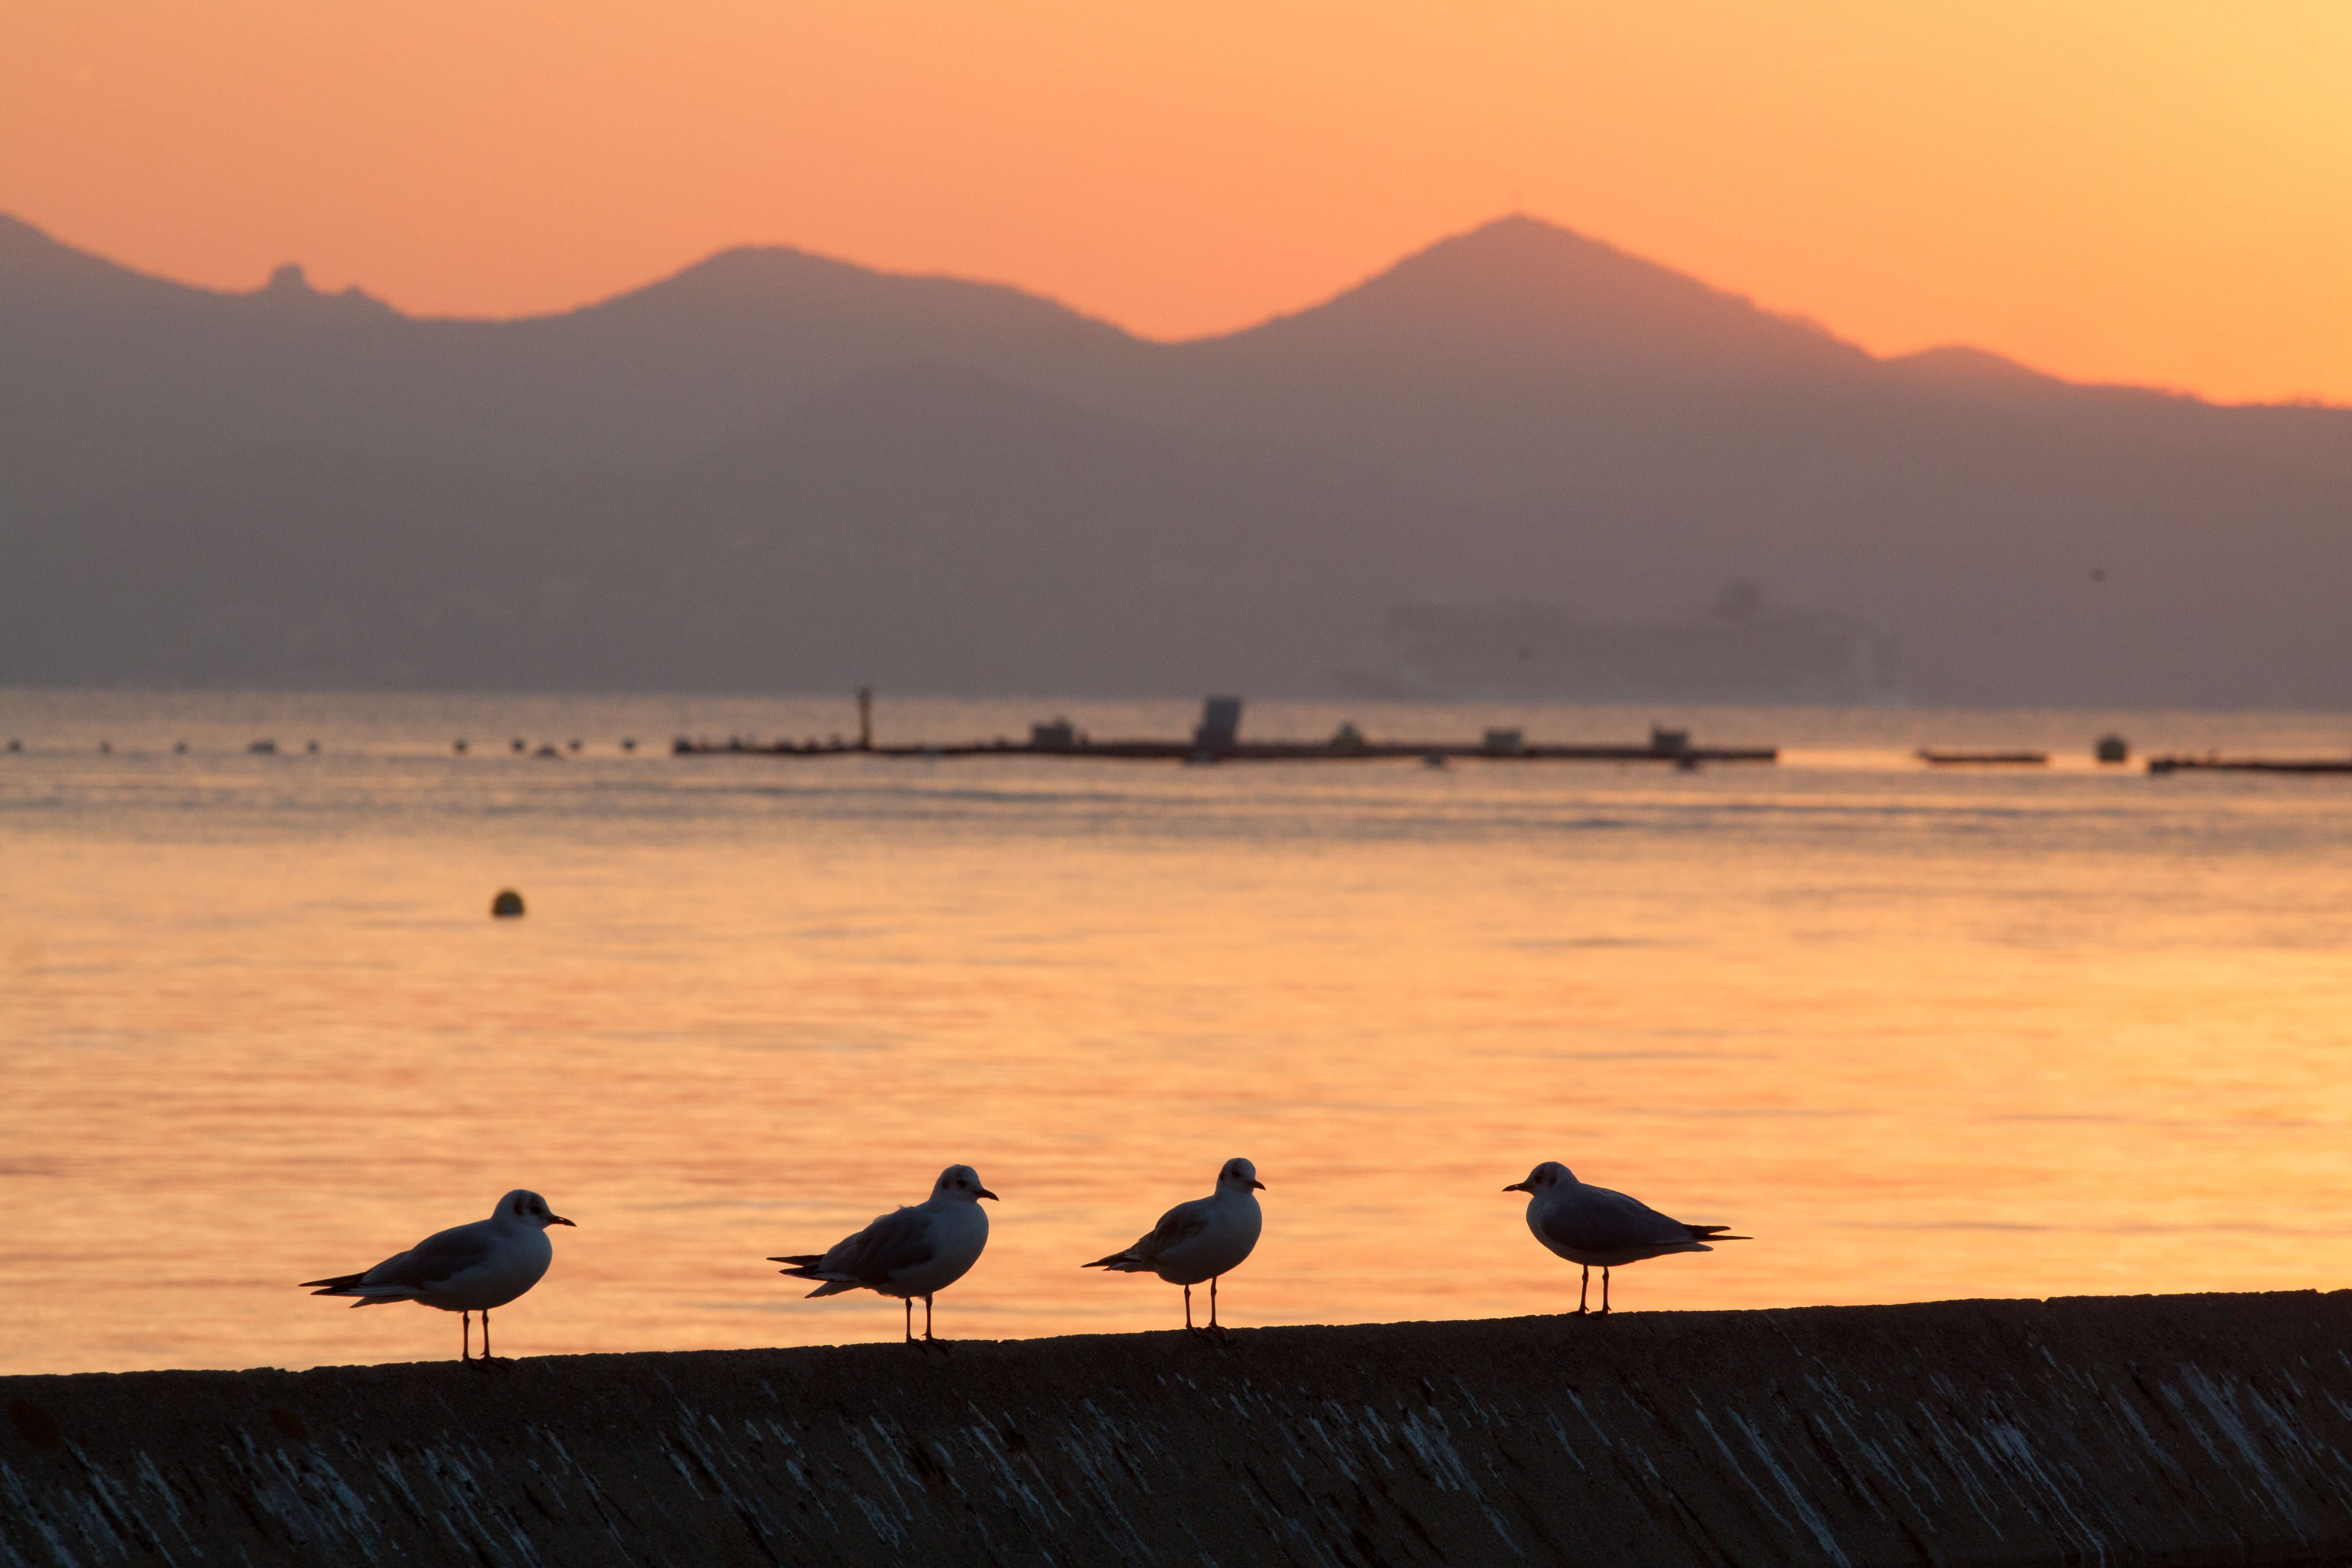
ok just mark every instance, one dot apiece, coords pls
pixel 777 471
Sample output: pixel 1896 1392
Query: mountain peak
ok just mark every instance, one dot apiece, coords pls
pixel 783 282
pixel 291 287
pixel 1526 285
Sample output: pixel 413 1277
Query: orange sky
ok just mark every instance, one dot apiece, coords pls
pixel 2147 190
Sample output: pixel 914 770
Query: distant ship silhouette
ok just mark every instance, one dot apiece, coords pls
pixel 1741 651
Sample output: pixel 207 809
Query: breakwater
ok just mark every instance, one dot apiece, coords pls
pixel 2181 1430
pixel 1680 755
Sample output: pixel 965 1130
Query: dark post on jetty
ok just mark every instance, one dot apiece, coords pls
pixel 1217 738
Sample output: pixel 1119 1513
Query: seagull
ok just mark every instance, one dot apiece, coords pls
pixel 1598 1228
pixel 1199 1240
pixel 909 1252
pixel 464 1269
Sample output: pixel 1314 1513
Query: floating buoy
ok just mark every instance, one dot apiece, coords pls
pixel 14 744
pixel 179 748
pixel 457 746
pixel 571 746
pixel 105 748
pixel 549 750
pixel 311 747
pixel 628 744
pixel 263 748
pixel 515 744
pixel 2112 749
pixel 506 905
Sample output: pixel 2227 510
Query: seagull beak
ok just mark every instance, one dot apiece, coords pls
pixel 986 1194
pixel 1516 1187
pixel 559 1220
pixel 1256 1183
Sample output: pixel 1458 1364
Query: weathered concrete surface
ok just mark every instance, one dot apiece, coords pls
pixel 2181 1430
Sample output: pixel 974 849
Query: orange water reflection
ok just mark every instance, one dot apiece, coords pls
pixel 1921 1037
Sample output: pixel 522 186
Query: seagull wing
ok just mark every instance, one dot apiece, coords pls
pixel 899 1240
pixel 1594 1219
pixel 1180 1224
pixel 432 1262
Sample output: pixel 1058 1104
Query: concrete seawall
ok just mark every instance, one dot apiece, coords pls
pixel 2181 1430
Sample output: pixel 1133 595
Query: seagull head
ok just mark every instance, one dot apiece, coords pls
pixel 520 1206
pixel 1544 1178
pixel 1239 1177
pixel 961 1181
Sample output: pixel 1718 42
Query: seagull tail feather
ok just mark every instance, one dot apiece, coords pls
pixel 1123 1262
pixel 375 1295
pixel 808 1269
pixel 1714 1233
pixel 339 1281
pixel 803 1260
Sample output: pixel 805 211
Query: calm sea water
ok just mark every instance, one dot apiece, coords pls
pixel 1921 1034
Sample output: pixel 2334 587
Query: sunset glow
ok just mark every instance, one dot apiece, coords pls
pixel 2149 192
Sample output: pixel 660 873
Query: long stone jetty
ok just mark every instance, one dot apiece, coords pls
pixel 2181 1430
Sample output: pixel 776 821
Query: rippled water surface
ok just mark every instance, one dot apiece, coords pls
pixel 1922 1034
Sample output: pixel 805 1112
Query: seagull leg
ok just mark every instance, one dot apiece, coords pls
pixel 909 1301
pixel 1604 1290
pixel 486 1361
pixel 1215 1326
pixel 1583 1289
pixel 466 1345
pixel 927 1340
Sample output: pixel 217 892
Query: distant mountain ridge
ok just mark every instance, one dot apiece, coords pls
pixel 776 471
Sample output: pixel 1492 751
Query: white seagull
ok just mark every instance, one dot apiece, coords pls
pixel 464 1269
pixel 1601 1229
pixel 909 1252
pixel 1199 1240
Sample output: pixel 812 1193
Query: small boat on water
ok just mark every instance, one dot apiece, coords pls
pixel 1945 758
